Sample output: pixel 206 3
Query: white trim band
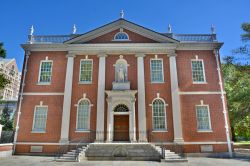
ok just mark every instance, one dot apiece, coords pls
pixel 43 93
pixel 201 93
pixel 164 143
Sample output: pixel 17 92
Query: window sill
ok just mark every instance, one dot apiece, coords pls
pixel 199 82
pixel 84 83
pixel 82 131
pixel 41 132
pixel 157 82
pixel 159 131
pixel 45 83
pixel 204 131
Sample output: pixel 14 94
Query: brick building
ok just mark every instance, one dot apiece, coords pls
pixel 122 82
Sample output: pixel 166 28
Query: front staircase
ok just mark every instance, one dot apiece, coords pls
pixel 72 155
pixel 121 151
pixel 169 156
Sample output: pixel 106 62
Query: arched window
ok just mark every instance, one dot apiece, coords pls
pixel 121 108
pixel 83 115
pixel 159 115
pixel 121 36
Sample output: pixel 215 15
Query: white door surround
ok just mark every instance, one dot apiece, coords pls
pixel 116 97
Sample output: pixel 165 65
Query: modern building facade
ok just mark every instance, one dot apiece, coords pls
pixel 122 82
pixel 9 69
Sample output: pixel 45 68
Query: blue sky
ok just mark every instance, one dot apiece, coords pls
pixel 58 16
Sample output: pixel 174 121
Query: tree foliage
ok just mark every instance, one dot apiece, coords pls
pixel 245 37
pixel 6 119
pixel 2 51
pixel 3 81
pixel 237 86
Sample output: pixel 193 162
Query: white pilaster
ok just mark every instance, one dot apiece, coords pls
pixel 225 112
pixel 110 119
pixel 101 99
pixel 67 99
pixel 132 122
pixel 141 99
pixel 175 99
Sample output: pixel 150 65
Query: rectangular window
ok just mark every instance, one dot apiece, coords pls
pixel 203 118
pixel 156 70
pixel 40 117
pixel 198 73
pixel 86 71
pixel 45 72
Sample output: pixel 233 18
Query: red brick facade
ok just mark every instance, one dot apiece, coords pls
pixel 54 98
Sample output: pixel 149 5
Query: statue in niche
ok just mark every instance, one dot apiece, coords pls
pixel 121 74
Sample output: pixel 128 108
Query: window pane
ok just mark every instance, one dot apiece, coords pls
pixel 203 121
pixel 40 119
pixel 197 71
pixel 159 118
pixel 83 115
pixel 45 72
pixel 86 71
pixel 156 70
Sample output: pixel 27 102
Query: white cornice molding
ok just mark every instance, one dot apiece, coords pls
pixel 198 46
pixel 118 48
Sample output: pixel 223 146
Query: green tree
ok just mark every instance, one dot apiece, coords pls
pixel 237 86
pixel 2 51
pixel 3 81
pixel 6 119
pixel 245 37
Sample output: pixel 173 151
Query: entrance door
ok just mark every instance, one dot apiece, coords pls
pixel 121 128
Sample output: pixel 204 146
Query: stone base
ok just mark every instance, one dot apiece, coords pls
pixel 122 151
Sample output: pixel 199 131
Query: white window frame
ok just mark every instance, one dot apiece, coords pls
pixel 77 105
pixel 45 83
pixel 209 118
pixel 33 125
pixel 165 113
pixel 86 82
pixel 121 39
pixel 155 82
pixel 203 69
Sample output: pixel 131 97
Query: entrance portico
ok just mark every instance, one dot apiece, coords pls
pixel 121 103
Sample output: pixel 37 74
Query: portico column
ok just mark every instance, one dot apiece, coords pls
pixel 132 122
pixel 141 99
pixel 101 98
pixel 67 99
pixel 110 121
pixel 175 99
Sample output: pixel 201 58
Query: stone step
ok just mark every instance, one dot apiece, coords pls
pixel 68 155
pixel 175 160
pixel 65 160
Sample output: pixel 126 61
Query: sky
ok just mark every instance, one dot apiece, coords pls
pixel 58 16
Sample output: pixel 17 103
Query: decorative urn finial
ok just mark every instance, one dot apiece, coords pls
pixel 169 28
pixel 212 29
pixel 122 14
pixel 74 29
pixel 31 30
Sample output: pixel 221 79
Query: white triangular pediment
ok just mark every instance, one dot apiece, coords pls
pixel 121 23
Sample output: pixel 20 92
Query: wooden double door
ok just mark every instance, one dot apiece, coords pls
pixel 121 128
